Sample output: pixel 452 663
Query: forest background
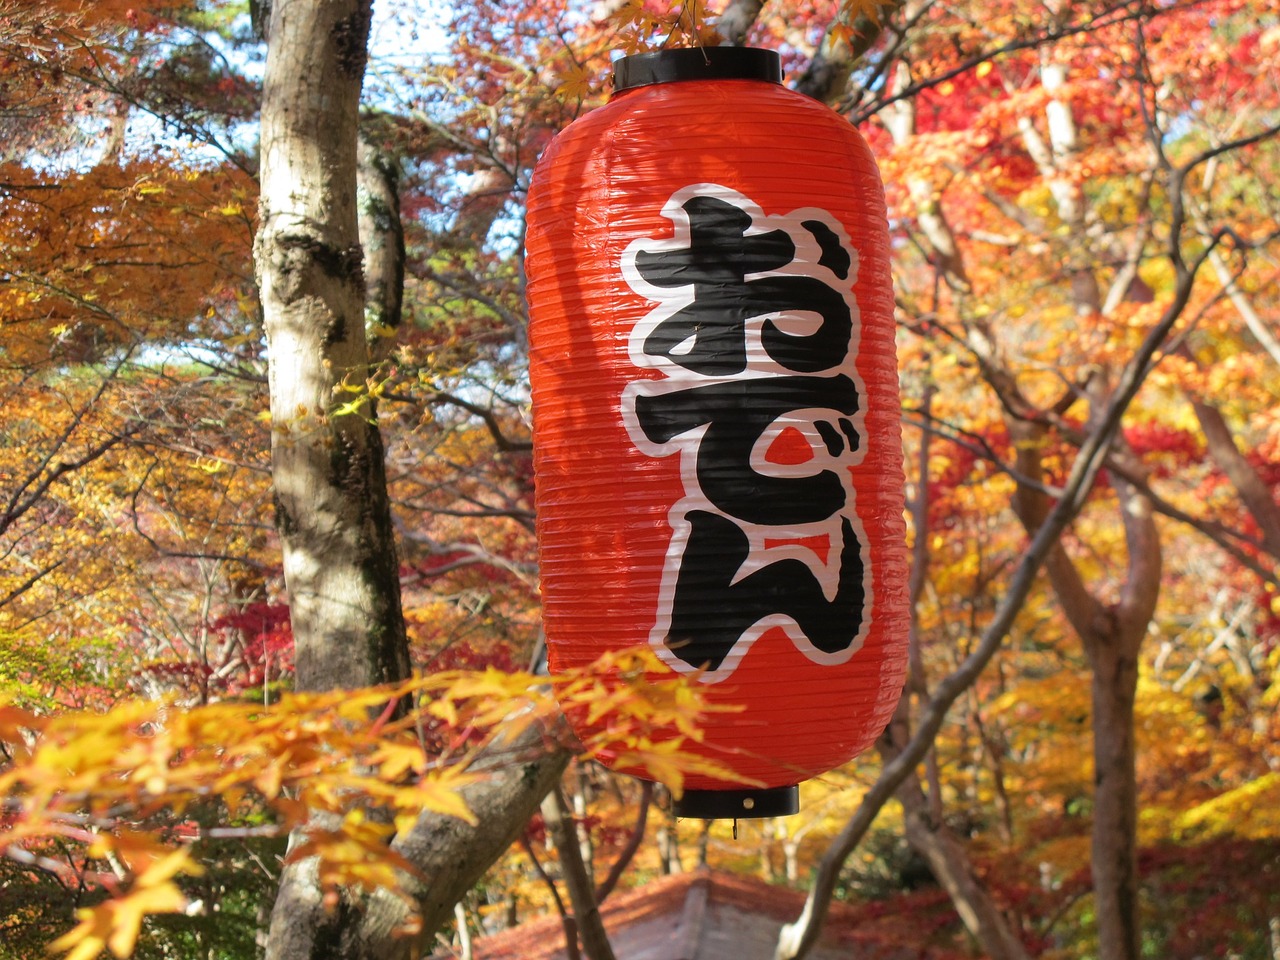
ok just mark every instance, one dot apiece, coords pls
pixel 210 566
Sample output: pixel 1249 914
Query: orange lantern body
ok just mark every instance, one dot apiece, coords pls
pixel 716 421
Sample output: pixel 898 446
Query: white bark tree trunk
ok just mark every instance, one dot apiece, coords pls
pixel 332 510
pixel 333 514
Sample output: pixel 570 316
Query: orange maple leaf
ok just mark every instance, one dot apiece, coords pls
pixel 116 923
pixel 852 9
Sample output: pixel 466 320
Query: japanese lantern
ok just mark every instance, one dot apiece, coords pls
pixel 716 423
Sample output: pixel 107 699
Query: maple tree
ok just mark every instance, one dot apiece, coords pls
pixel 1083 197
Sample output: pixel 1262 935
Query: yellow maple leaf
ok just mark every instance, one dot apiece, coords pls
pixel 115 923
pixel 88 938
pixel 357 853
pixel 393 760
pixel 440 795
pixel 575 83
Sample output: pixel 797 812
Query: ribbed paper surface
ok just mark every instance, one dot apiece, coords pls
pixel 622 512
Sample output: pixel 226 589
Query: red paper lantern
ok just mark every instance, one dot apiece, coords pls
pixel 716 421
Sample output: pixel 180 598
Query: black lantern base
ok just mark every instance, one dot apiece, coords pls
pixel 739 804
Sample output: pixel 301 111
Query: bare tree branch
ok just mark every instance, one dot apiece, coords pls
pixel 798 937
pixel 632 845
pixel 586 909
pixel 737 19
pixel 491 422
pixel 827 76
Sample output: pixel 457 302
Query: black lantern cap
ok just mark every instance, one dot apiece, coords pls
pixel 696 63
pixel 739 804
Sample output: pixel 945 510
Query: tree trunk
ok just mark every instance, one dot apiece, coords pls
pixel 791 853
pixel 332 510
pixel 736 20
pixel 449 854
pixel 668 841
pixel 586 911
pixel 464 935
pixel 1111 637
pixel 950 865
pixel 382 242
pixel 1254 492
pixel 1115 802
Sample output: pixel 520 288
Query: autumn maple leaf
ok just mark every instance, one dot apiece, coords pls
pixel 575 83
pixel 870 9
pixel 116 923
